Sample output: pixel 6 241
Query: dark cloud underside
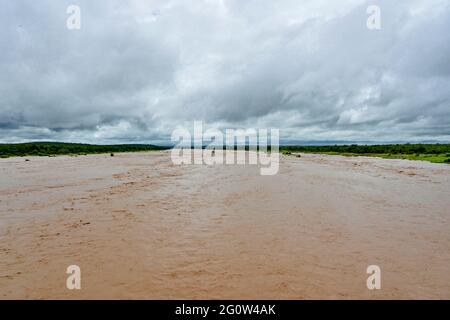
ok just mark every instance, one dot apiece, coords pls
pixel 136 70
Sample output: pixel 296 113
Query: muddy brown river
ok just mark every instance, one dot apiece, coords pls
pixel 140 227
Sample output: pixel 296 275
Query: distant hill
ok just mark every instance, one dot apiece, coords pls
pixel 61 148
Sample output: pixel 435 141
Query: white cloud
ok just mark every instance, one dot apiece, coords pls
pixel 137 70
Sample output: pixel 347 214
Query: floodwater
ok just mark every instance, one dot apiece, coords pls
pixel 140 227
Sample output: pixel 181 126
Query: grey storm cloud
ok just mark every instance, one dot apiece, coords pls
pixel 137 70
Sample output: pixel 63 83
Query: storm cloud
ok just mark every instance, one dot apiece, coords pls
pixel 137 70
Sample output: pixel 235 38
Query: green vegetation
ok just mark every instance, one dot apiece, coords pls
pixel 59 148
pixel 437 153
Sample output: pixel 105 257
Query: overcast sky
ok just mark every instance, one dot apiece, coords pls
pixel 136 70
